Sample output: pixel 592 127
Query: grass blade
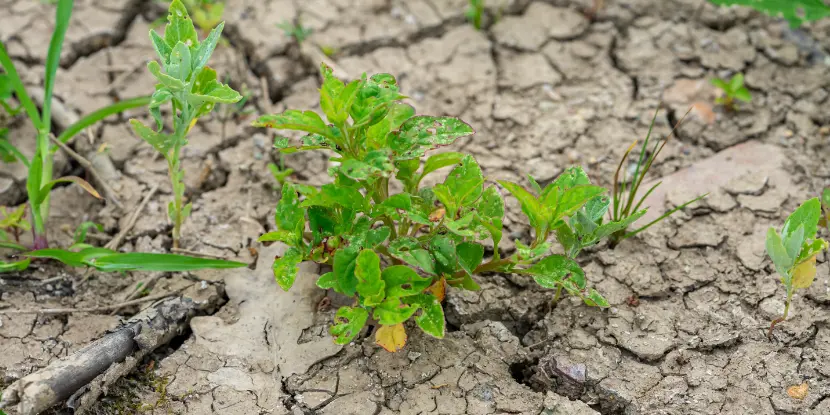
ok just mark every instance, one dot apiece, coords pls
pixel 617 192
pixel 645 196
pixel 19 89
pixel 62 16
pixel 663 216
pixel 7 146
pixel 99 115
pixel 139 261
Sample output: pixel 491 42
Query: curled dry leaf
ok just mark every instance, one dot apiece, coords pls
pixel 798 391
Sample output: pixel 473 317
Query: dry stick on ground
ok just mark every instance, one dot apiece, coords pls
pixel 86 374
pixel 115 242
pixel 92 309
pixel 108 191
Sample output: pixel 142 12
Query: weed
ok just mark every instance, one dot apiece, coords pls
pixel 395 254
pixel 475 10
pixel 40 182
pixel 732 90
pixel 295 29
pixel 624 210
pixel 794 250
pixel 795 12
pixel 280 173
pixel 191 88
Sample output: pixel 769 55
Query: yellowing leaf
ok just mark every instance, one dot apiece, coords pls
pixel 391 338
pixel 439 289
pixel 805 273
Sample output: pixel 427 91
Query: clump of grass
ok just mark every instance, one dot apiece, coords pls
pixel 626 200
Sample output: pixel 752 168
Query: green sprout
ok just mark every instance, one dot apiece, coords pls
pixel 192 90
pixel 795 12
pixel 794 250
pixel 624 210
pixel 475 10
pixel 732 90
pixel 40 180
pixel 396 254
pixel 295 29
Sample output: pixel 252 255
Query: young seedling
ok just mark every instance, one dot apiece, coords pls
pixel 280 173
pixel 825 208
pixel 192 90
pixel 794 250
pixel 795 12
pixel 395 254
pixel 625 205
pixel 733 89
pixel 475 10
pixel 40 181
pixel 295 29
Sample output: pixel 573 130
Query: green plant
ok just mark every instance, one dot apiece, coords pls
pixel 475 10
pixel 280 173
pixel 794 250
pixel 395 253
pixel 295 29
pixel 624 194
pixel 192 90
pixel 40 182
pixel 732 90
pixel 795 12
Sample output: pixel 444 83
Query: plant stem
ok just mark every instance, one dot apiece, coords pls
pixel 784 317
pixel 558 294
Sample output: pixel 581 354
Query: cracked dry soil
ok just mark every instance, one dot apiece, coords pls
pixel 545 87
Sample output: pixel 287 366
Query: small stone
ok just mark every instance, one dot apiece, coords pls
pixel 413 356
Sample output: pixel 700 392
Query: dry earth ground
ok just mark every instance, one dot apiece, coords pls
pixel 545 87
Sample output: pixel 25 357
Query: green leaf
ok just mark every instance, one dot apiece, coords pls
pixel 574 198
pixel 402 281
pixel 63 14
pixel 100 114
pixel 595 299
pixel 205 49
pixel 327 281
pixel 285 268
pixel 743 94
pixel 391 311
pixel 397 115
pixel 332 195
pixel 422 133
pixel 736 82
pixel 370 286
pixel 596 208
pixel 462 187
pixel 441 160
pixel 215 92
pixel 806 215
pixel 552 270
pixel 720 83
pixel 347 324
pixel 307 121
pixel 345 261
pixel 776 251
pixel 811 249
pixel 14 266
pixel 794 242
pixel 568 240
pixel 278 236
pixel 168 81
pixel 527 253
pixel 323 223
pixel 470 255
pixel 431 320
pixel 442 249
pixel 163 49
pixel 536 213
pixel 180 28
pixel 107 260
pixel 409 250
pixel 290 217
